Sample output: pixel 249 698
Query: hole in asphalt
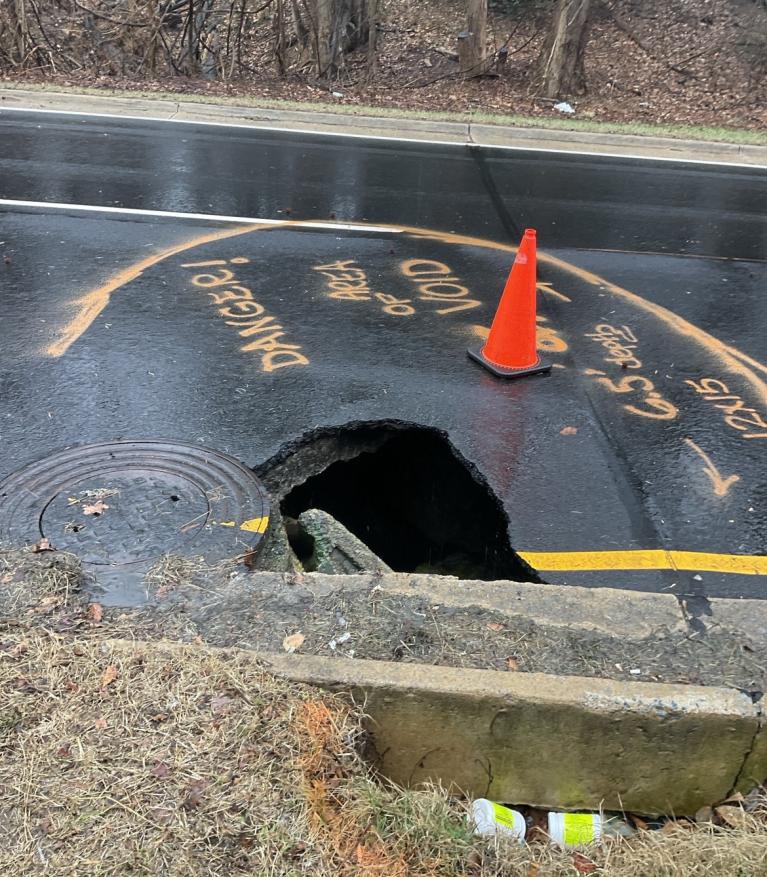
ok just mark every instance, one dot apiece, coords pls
pixel 406 493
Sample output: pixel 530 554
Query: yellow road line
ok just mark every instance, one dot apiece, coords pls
pixel 697 561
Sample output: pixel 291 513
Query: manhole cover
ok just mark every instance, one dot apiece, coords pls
pixel 132 502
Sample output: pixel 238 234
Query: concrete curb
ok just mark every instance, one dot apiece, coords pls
pixel 628 614
pixel 550 741
pixel 430 130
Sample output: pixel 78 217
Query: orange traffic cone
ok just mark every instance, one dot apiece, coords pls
pixel 510 350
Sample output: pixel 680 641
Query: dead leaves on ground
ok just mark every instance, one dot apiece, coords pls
pixel 160 771
pixel 97 508
pixel 293 642
pixel 43 545
pixel 109 676
pixel 195 795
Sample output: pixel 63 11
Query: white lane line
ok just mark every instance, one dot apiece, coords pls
pixel 208 217
pixel 255 126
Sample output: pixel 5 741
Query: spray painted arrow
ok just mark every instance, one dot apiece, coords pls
pixel 721 484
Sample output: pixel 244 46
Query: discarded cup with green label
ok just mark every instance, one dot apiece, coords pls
pixel 490 819
pixel 582 829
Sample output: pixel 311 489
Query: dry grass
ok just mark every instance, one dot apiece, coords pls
pixel 38 583
pixel 150 760
pixel 154 759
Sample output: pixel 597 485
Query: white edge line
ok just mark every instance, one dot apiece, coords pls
pixel 465 143
pixel 208 217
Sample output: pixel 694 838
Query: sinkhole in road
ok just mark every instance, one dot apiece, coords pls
pixel 406 492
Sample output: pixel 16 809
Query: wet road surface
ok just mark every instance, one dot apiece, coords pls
pixel 645 447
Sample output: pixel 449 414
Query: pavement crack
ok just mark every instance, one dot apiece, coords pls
pixel 507 222
pixel 760 715
pixel 175 112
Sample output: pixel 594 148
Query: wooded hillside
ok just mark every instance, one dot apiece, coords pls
pixel 699 61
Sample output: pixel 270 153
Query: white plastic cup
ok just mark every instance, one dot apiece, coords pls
pixel 490 819
pixel 582 829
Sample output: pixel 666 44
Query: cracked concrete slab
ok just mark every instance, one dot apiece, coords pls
pixel 549 741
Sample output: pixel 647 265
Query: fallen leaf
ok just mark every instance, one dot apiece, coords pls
pixel 109 676
pixel 161 815
pixel 569 430
pixel 195 795
pixel 495 625
pixel 534 870
pixel 249 558
pixel 64 751
pixel 71 685
pixel 97 508
pixel 704 814
pixel 43 545
pixel 640 823
pixel 674 825
pixel 20 649
pixel 583 864
pixel 735 817
pixel 95 612
pixel 474 863
pixel 512 664
pixel 293 642
pixel 100 724
pixel 160 770
pixel 221 703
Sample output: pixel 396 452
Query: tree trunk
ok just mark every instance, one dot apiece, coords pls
pixel 339 26
pixel 472 44
pixel 560 64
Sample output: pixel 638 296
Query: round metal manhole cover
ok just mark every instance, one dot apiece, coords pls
pixel 133 502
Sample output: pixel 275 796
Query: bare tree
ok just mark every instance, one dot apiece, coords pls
pixel 337 27
pixel 560 65
pixel 472 43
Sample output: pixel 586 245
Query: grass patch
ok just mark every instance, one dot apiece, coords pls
pixel 705 133
pixel 38 583
pixel 150 758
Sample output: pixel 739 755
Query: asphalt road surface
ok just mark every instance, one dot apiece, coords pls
pixel 640 461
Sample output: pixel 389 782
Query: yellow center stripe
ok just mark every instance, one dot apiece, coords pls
pixel 697 561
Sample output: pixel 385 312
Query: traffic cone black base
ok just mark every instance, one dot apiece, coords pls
pixel 500 371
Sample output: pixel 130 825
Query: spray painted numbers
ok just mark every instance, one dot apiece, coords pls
pixel 235 303
pixel 547 338
pixel 747 421
pixel 436 283
pixel 620 344
pixel 348 282
pixel 650 403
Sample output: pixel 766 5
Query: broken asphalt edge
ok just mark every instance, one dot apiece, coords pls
pixel 391 128
pixel 550 740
